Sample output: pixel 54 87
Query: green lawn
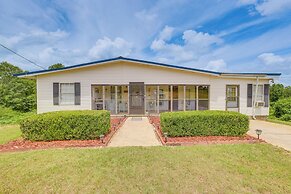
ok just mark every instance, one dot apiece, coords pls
pixel 9 116
pixel 8 133
pixel 245 168
pixel 276 120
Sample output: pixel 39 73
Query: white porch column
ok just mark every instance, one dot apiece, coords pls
pixel 255 100
pixel 116 105
pixel 103 97
pixel 197 100
pixel 184 98
pixel 128 99
pixel 171 97
pixel 158 99
pixel 144 98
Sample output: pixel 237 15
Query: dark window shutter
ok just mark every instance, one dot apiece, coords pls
pixel 266 94
pixel 250 95
pixel 56 93
pixel 77 93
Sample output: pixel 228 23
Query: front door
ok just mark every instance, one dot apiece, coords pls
pixel 136 98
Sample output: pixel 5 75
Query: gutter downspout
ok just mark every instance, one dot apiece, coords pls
pixel 255 100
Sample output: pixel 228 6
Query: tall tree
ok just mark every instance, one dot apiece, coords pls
pixel 287 92
pixel 56 66
pixel 276 92
pixel 7 70
pixel 16 93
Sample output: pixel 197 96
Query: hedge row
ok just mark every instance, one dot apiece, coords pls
pixel 204 123
pixel 66 125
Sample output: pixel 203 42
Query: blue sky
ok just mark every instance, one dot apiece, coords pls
pixel 220 35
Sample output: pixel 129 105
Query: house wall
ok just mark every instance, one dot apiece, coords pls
pixel 125 72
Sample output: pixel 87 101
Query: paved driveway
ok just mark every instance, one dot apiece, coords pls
pixel 136 131
pixel 276 134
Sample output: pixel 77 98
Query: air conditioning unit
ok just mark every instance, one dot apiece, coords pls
pixel 260 104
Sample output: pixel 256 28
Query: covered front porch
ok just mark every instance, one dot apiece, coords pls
pixel 137 98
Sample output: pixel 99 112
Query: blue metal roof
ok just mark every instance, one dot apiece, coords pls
pixel 140 61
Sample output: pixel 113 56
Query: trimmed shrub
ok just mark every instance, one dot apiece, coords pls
pixel 204 123
pixel 286 117
pixel 66 125
pixel 282 107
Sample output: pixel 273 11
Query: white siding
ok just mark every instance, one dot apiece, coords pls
pixel 125 72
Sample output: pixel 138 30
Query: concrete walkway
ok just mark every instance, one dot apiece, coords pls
pixel 136 131
pixel 276 134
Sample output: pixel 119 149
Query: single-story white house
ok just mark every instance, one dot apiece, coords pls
pixel 137 87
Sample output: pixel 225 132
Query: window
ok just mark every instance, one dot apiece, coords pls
pixel 178 98
pixel 190 97
pixel 203 94
pixel 151 99
pixel 165 100
pixel 122 99
pixel 98 97
pixel 110 101
pixel 232 97
pixel 67 93
pixel 260 94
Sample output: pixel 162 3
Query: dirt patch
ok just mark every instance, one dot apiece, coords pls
pixel 21 144
pixel 192 140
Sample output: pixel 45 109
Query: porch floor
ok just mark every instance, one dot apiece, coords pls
pixel 136 131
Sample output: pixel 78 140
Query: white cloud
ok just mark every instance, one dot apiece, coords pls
pixel 246 2
pixel 106 48
pixel 35 35
pixel 273 6
pixel 268 7
pixel 241 54
pixel 276 63
pixel 193 46
pixel 216 65
pixel 271 59
pixel 200 40
pixel 166 33
pixel 146 16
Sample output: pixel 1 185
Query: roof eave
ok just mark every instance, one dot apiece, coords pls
pixel 213 73
pixel 29 74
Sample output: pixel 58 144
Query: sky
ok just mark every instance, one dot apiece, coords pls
pixel 218 35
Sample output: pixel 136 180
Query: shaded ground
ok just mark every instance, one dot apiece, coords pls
pixel 244 168
pixel 276 134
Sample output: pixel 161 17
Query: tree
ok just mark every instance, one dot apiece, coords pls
pixel 287 92
pixel 276 92
pixel 16 93
pixel 56 66
pixel 7 70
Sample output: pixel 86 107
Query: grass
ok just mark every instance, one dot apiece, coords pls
pixel 8 116
pixel 245 168
pixel 276 120
pixel 8 133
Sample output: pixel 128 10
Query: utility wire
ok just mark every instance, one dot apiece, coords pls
pixel 21 56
